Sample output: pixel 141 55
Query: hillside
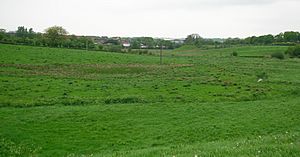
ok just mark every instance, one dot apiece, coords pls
pixel 64 102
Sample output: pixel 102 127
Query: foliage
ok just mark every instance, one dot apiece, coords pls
pixel 294 51
pixel 291 36
pixel 55 36
pixel 23 32
pixel 186 47
pixel 286 38
pixel 278 55
pixel 112 48
pixel 123 100
pixel 234 53
pixel 197 40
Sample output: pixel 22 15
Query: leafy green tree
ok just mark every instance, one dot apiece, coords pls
pixel 279 37
pixel 192 39
pixel 21 31
pixel 197 40
pixel 233 41
pixel 55 36
pixel 135 44
pixel 31 33
pixel 2 34
pixel 291 36
pixel 267 39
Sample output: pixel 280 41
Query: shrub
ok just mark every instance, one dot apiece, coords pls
pixel 143 52
pixel 113 48
pixel 123 100
pixel 277 55
pixel 234 53
pixel 99 48
pixel 293 51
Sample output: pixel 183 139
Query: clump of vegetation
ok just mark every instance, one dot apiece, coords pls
pixel 124 100
pixel 113 48
pixel 293 51
pixel 277 55
pixel 234 53
pixel 10 148
pixel 262 75
pixel 142 52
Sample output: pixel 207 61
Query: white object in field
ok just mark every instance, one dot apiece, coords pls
pixel 126 45
pixel 259 80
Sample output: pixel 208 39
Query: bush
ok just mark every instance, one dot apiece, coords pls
pixel 277 55
pixel 123 100
pixel 143 52
pixel 234 53
pixel 293 51
pixel 113 48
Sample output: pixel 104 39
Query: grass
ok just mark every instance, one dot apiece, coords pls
pixel 242 51
pixel 198 103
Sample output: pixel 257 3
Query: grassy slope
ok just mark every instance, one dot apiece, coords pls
pixel 110 104
pixel 242 51
pixel 11 54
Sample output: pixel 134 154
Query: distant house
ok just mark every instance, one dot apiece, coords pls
pixel 126 44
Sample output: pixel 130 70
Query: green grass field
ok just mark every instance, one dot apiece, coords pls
pixel 63 102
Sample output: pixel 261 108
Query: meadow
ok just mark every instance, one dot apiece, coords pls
pixel 64 102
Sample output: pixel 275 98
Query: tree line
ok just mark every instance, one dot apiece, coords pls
pixel 287 38
pixel 55 36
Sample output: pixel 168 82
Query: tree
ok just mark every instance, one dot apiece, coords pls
pixel 31 33
pixel 21 32
pixel 279 37
pixel 267 39
pixel 291 36
pixel 55 36
pixel 2 33
pixel 197 40
pixel 192 39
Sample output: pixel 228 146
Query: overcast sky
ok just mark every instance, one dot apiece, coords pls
pixel 156 18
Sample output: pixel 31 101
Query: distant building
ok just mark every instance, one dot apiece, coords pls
pixel 126 44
